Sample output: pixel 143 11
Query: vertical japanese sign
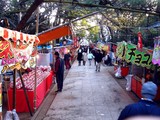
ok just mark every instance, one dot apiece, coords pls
pixel 121 50
pixel 139 45
pixel 75 42
pixel 156 51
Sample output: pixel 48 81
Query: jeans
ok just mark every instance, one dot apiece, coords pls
pixel 90 60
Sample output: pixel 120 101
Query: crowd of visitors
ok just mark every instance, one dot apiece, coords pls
pixel 145 107
pixel 99 56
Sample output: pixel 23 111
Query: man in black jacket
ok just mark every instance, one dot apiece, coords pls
pixel 98 59
pixel 146 106
pixel 59 71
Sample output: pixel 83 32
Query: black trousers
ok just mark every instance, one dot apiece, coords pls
pixel 59 79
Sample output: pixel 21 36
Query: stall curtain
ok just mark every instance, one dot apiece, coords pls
pixel 53 34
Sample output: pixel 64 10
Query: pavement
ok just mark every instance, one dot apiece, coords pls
pixel 87 95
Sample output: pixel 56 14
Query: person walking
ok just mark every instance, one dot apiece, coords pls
pixel 84 58
pixel 67 58
pixel 90 57
pixel 146 106
pixel 59 71
pixel 79 56
pixel 98 59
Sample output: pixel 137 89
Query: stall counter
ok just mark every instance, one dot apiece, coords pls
pixel 136 86
pixel 41 90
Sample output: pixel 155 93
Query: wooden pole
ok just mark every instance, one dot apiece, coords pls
pixel 155 74
pixel 25 92
pixel 14 89
pixel 35 83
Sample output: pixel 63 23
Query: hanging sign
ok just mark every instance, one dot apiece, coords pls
pixel 75 41
pixel 121 50
pixel 137 57
pixel 11 67
pixel 5 49
pixel 156 51
pixel 139 45
pixel 16 49
pixel 129 53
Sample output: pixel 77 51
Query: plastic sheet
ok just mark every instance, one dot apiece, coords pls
pixel 128 85
pixel 118 73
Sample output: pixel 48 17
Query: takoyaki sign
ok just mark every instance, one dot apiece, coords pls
pixel 129 53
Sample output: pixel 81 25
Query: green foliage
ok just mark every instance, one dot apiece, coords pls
pixel 125 22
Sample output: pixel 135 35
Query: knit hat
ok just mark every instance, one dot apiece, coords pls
pixel 149 90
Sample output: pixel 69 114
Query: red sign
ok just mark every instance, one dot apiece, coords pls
pixel 75 41
pixel 5 49
pixel 139 45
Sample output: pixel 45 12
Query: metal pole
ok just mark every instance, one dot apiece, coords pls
pixel 35 83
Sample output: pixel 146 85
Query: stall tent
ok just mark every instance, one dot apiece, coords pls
pixel 54 33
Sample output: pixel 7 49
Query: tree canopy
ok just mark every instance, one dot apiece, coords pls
pixel 124 18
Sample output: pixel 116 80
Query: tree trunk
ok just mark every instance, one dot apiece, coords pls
pixel 33 7
pixel 158 7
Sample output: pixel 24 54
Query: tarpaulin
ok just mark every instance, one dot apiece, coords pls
pixel 53 34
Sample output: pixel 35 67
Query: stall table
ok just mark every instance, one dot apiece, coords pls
pixel 41 91
pixel 136 87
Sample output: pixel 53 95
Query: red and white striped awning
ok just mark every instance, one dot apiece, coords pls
pixel 15 35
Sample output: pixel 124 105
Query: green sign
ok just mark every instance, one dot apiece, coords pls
pixel 121 50
pixel 129 53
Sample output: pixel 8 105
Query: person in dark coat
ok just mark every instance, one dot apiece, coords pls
pixel 146 106
pixel 79 56
pixel 59 71
pixel 98 59
pixel 67 58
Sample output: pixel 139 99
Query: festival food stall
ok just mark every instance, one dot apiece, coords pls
pixel 156 62
pixel 19 53
pixel 120 64
pixel 141 60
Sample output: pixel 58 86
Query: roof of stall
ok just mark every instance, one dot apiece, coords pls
pixel 54 33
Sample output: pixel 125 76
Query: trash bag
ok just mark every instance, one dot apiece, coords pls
pixel 118 73
pixel 11 115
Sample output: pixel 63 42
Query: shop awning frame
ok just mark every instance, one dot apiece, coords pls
pixel 54 33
